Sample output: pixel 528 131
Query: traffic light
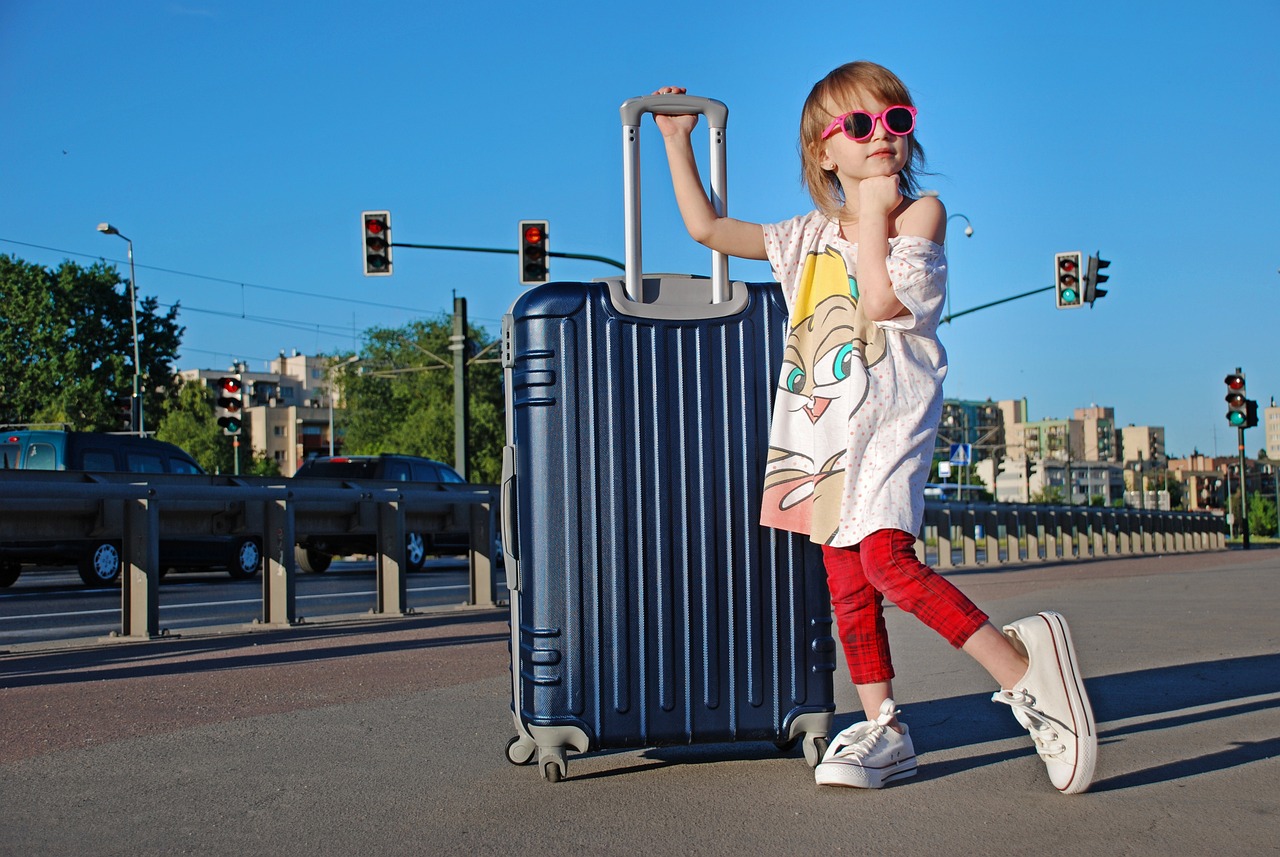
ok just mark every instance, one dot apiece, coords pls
pixel 1066 273
pixel 376 228
pixel 1250 413
pixel 230 399
pixel 1092 278
pixel 533 252
pixel 123 408
pixel 1237 404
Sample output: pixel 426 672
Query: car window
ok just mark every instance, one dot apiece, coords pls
pixel 11 455
pixel 98 459
pixel 143 462
pixel 182 465
pixel 397 470
pixel 448 474
pixel 425 471
pixel 41 456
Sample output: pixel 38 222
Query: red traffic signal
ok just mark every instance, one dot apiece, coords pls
pixel 376 229
pixel 533 252
pixel 230 401
pixel 1066 279
pixel 1237 403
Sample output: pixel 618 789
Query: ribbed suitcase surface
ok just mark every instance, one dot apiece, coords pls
pixel 650 606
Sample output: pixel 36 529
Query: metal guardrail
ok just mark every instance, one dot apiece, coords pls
pixel 117 505
pixel 80 505
pixel 1004 533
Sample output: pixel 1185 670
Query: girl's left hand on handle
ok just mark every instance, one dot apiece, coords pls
pixel 672 125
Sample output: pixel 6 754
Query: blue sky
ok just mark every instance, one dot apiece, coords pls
pixel 236 144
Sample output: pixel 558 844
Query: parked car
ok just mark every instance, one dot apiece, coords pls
pixel 99 560
pixel 315 553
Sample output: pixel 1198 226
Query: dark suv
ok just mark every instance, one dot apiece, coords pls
pixel 314 553
pixel 99 559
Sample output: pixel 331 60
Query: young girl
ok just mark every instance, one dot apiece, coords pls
pixel 856 413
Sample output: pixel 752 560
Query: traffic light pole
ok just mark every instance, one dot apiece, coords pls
pixel 1244 495
pixel 586 256
pixel 948 318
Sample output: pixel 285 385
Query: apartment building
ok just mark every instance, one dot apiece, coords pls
pixel 288 408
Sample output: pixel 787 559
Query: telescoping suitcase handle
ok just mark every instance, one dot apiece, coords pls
pixel 633 109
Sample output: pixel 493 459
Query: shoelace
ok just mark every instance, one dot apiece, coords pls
pixel 864 736
pixel 1042 729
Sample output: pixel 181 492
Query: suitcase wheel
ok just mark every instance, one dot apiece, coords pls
pixel 551 762
pixel 520 751
pixel 815 747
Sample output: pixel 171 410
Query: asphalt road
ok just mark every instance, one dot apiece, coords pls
pixel 387 737
pixel 53 604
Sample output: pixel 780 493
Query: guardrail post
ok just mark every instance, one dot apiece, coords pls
pixel 1034 529
pixel 279 570
pixel 945 524
pixel 392 585
pixel 991 529
pixel 140 586
pixel 968 534
pixel 480 557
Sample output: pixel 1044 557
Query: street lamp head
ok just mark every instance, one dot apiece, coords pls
pixel 968 231
pixel 108 229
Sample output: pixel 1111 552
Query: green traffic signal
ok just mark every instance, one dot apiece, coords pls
pixel 1236 418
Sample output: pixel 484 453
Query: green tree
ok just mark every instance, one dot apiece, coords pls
pixel 66 344
pixel 190 421
pixel 399 396
pixel 1050 495
pixel 1262 515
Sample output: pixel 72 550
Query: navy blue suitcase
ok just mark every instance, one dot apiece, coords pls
pixel 648 605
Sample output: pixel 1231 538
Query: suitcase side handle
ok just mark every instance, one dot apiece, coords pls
pixel 717 118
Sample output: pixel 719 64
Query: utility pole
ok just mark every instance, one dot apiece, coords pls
pixel 461 401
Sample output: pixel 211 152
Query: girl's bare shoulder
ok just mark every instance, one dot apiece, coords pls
pixel 925 217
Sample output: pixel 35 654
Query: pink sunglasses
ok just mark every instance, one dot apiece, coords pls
pixel 859 125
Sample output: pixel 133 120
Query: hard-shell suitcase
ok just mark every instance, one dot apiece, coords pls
pixel 648 605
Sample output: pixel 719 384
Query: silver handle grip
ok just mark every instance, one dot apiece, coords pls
pixel 671 105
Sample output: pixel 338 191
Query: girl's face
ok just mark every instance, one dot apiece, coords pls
pixel 881 154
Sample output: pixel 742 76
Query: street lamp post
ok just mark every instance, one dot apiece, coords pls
pixel 968 233
pixel 108 229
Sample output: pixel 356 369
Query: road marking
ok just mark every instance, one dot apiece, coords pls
pixel 198 604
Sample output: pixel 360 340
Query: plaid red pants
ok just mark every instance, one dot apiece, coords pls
pixel 884 565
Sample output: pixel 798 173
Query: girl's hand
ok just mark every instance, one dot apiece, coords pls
pixel 672 125
pixel 879 195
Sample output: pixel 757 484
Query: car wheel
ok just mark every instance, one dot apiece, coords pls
pixel 415 551
pixel 311 561
pixel 247 559
pixel 9 573
pixel 101 564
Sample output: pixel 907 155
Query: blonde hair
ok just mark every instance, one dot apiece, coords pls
pixel 842 87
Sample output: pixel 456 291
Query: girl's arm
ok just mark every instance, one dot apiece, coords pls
pixel 880 201
pixel 722 234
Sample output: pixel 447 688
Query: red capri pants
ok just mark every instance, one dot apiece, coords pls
pixel 884 564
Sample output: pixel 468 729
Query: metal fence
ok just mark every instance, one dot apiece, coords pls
pixel 117 506
pixel 965 535
pixel 139 514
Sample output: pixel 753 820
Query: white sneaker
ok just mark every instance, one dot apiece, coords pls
pixel 1050 701
pixel 869 754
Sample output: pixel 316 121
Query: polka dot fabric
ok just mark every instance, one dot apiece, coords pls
pixel 886 432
